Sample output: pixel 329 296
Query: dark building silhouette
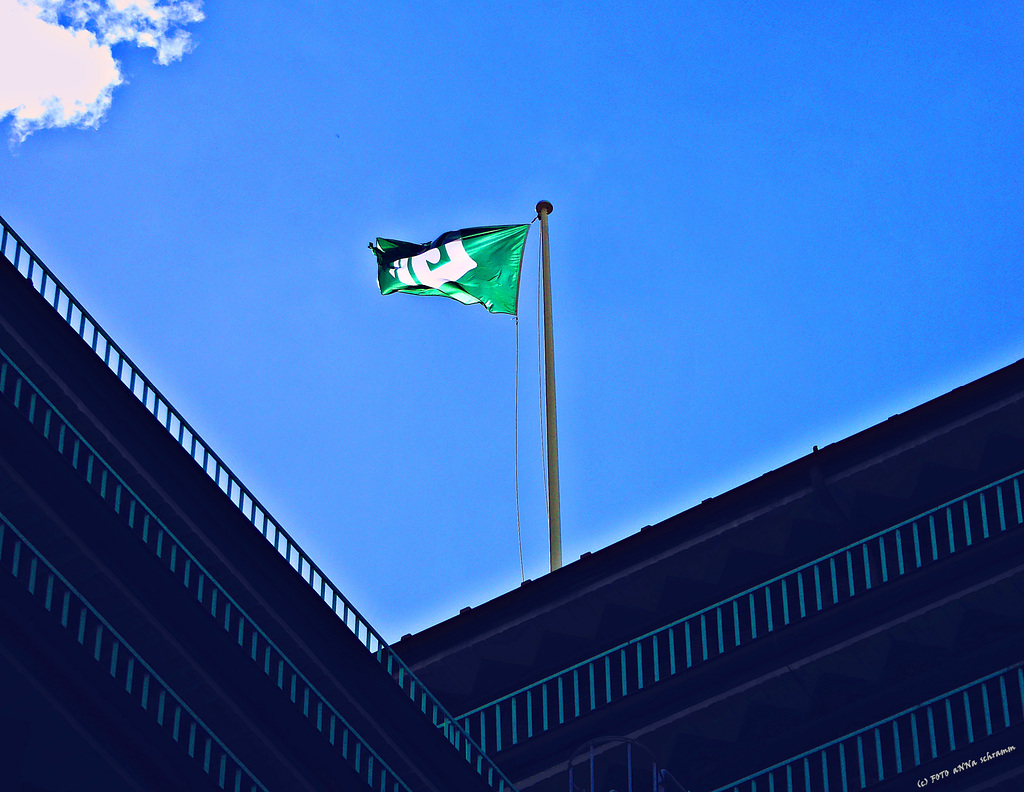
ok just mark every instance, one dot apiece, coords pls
pixel 852 620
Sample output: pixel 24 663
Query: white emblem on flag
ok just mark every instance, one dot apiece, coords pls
pixel 416 270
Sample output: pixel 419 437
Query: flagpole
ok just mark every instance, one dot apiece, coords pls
pixel 544 208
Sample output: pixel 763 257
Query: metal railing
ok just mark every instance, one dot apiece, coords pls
pixel 905 741
pixel 128 671
pixel 718 629
pixel 22 394
pixel 79 319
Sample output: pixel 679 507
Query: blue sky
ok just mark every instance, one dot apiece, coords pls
pixel 772 228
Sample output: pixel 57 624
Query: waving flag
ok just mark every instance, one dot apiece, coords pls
pixel 472 265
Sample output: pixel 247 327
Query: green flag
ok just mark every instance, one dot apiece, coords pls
pixel 473 265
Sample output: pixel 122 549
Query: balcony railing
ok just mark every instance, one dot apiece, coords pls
pixel 746 617
pixel 22 394
pixel 906 741
pixel 133 678
pixel 88 329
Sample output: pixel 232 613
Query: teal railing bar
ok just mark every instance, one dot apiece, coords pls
pixel 897 740
pixel 863 569
pixel 195 578
pixel 103 645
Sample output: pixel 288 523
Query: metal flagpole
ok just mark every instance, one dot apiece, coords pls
pixel 544 208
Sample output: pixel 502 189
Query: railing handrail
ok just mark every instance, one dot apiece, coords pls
pixel 25 395
pixel 89 330
pixel 47 278
pixel 893 720
pixel 860 545
pixel 45 580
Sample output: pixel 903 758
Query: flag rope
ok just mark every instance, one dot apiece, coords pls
pixel 519 530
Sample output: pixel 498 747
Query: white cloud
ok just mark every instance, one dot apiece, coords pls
pixel 56 64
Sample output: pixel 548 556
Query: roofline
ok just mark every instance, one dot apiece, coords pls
pixel 903 430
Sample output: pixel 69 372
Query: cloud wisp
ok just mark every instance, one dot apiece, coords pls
pixel 56 59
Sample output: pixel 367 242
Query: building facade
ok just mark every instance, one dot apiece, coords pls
pixel 852 620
